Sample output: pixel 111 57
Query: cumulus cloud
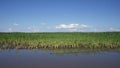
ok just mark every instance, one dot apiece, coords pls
pixel 83 26
pixel 10 29
pixel 33 29
pixel 15 24
pixel 43 23
pixel 71 26
pixel 67 26
pixel 114 29
pixel 72 30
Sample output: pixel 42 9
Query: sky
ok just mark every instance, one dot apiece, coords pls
pixel 59 15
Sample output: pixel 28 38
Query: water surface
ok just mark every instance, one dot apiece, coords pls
pixel 61 58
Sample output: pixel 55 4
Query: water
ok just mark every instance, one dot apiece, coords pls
pixel 68 58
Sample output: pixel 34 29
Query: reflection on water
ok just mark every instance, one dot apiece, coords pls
pixel 77 51
pixel 60 58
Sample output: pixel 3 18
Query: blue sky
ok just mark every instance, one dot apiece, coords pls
pixel 59 15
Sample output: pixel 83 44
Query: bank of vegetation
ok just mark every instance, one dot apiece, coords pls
pixel 54 40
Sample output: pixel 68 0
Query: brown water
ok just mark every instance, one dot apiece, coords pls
pixel 70 58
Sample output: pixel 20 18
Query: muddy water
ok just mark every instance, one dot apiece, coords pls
pixel 65 58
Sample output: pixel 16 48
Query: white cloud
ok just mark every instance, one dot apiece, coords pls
pixel 29 28
pixel 114 29
pixel 33 29
pixel 72 30
pixel 15 24
pixel 10 29
pixel 67 26
pixel 43 23
pixel 71 26
pixel 48 27
pixel 83 26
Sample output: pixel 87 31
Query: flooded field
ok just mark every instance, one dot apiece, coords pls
pixel 60 58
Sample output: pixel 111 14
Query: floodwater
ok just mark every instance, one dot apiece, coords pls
pixel 61 58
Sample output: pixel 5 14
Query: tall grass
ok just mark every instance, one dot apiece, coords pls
pixel 60 40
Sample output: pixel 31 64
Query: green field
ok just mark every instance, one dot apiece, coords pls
pixel 54 40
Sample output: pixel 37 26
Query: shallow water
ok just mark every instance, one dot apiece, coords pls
pixel 65 58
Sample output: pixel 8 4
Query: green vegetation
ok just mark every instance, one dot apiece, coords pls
pixel 60 40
